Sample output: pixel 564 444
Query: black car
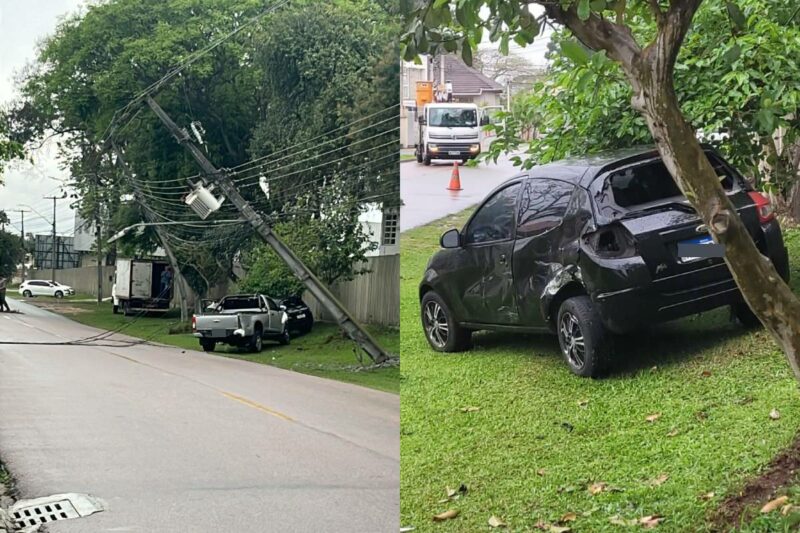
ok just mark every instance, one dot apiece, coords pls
pixel 301 319
pixel 585 247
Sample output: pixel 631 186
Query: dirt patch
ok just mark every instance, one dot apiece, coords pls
pixel 739 508
pixel 60 307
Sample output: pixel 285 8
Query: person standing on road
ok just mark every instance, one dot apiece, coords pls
pixel 3 302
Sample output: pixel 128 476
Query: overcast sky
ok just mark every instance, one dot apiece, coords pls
pixel 23 23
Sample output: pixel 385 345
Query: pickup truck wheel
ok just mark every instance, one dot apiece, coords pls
pixel 744 315
pixel 208 346
pixel 442 331
pixel 582 337
pixel 285 338
pixel 257 341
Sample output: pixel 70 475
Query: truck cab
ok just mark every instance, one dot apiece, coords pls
pixel 449 131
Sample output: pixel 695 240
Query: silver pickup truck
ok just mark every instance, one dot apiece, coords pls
pixel 242 320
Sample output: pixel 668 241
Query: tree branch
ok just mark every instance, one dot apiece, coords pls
pixel 655 8
pixel 597 33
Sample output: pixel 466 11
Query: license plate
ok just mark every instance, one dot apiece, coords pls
pixel 302 315
pixel 697 240
pixel 454 153
pixel 218 333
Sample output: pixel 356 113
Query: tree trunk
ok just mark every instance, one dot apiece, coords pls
pixel 766 293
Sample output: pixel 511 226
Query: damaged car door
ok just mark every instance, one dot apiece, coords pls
pixel 542 238
pixel 487 283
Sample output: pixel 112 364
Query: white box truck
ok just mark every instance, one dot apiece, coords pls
pixel 138 286
pixel 449 131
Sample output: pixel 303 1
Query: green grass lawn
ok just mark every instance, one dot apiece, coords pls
pixel 542 436
pixel 323 352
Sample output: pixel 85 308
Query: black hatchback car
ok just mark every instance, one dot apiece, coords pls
pixel 585 247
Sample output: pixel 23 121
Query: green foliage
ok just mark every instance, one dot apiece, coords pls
pixel 11 252
pixel 736 83
pixel 331 242
pixel 9 149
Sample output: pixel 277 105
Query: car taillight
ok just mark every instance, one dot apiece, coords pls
pixel 613 242
pixel 766 212
pixel 194 323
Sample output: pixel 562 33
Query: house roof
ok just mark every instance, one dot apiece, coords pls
pixel 466 80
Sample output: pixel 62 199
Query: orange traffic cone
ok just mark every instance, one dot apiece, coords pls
pixel 455 179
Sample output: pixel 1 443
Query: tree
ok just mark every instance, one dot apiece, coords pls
pixel 647 60
pixel 11 253
pixel 499 67
pixel 9 149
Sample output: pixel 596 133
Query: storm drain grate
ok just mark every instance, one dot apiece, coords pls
pixel 31 513
pixel 41 514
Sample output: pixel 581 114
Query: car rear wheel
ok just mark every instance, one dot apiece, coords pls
pixel 583 340
pixel 257 341
pixel 208 346
pixel 441 329
pixel 27 293
pixel 744 315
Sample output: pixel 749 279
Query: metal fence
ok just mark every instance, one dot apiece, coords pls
pixel 372 298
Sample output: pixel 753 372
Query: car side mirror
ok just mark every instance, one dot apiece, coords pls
pixel 450 239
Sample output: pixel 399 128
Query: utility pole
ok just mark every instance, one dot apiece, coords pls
pixel 314 285
pixel 55 249
pixel 179 279
pixel 99 245
pixel 22 234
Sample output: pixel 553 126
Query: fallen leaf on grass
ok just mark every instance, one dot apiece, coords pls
pixel 541 471
pixel 774 414
pixel 652 418
pixel 707 496
pixel 452 494
pixel 673 433
pixel 651 521
pixel 701 415
pixel 596 488
pixel 568 489
pixel 470 409
pixel 559 529
pixel 786 509
pixel 774 504
pixel 658 481
pixel 705 374
pixel 447 515
pixel 569 517
pixel 583 403
pixel 496 522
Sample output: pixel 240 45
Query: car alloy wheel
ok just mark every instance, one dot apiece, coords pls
pixel 436 324
pixel 571 337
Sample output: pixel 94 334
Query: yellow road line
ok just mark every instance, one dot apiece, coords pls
pixel 256 405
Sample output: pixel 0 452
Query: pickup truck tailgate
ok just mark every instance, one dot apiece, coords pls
pixel 216 326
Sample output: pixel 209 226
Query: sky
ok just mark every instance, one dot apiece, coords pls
pixel 23 23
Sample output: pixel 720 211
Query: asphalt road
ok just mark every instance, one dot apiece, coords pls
pixel 179 442
pixel 425 195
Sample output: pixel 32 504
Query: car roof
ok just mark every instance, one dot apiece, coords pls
pixel 582 170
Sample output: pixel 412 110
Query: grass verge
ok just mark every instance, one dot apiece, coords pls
pixel 323 352
pixel 540 446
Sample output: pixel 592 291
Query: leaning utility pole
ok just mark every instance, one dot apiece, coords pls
pixel 314 285
pixel 179 279
pixel 55 249
pixel 22 234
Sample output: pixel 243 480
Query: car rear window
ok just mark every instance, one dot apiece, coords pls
pixel 652 182
pixel 240 303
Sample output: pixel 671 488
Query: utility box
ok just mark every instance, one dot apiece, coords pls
pixel 424 94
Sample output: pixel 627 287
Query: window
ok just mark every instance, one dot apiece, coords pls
pixel 651 182
pixel 542 205
pixel 390 226
pixel 452 117
pixel 495 219
pixel 271 305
